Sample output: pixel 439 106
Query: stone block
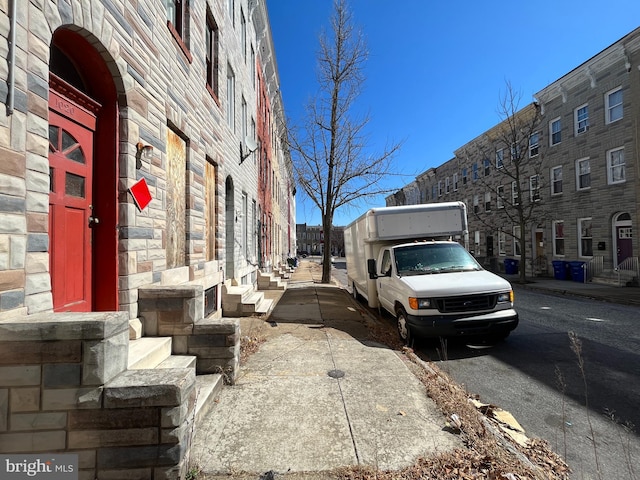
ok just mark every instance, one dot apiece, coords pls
pixel 137 457
pixel 70 398
pixel 159 387
pixel 61 375
pixel 20 375
pixel 33 442
pixel 25 399
pixel 175 276
pixel 112 437
pixel 105 359
pixel 39 352
pixel 180 345
pixel 38 421
pixel 109 418
pixel 211 326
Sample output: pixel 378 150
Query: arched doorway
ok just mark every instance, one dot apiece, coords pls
pixel 230 222
pixel 83 153
pixel 622 237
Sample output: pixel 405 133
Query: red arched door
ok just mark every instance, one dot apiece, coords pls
pixel 70 204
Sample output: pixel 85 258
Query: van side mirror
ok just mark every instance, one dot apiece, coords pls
pixel 371 268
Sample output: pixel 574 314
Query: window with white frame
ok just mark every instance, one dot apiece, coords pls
pixel 464 176
pixel 581 119
pixel 534 144
pixel 502 243
pixel 455 182
pixel 476 204
pixel 583 174
pixel 585 237
pixel 556 180
pixel 487 167
pixel 515 198
pixel 500 158
pixel 439 188
pixel 434 191
pixel 447 187
pixel 534 188
pixel 515 152
pixel 231 97
pixel 616 166
pixel 558 238
pixel 555 131
pixel 516 240
pixel 613 105
pixel 487 202
pixel 500 196
pixel 475 172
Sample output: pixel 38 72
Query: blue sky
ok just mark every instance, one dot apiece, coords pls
pixel 436 70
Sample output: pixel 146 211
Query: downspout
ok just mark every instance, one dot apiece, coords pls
pixel 12 59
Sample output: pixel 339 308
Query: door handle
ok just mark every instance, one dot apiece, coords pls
pixel 93 221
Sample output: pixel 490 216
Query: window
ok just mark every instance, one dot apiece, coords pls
pixel 615 166
pixel 243 34
pixel 253 67
pixel 231 94
pixel 583 174
pixel 555 133
pixel 177 22
pixel 613 105
pixel 487 167
pixel 464 176
pixel 585 237
pixel 440 188
pixel 515 152
pixel 231 9
pixel 581 119
pixel 502 243
pixel 434 192
pixel 487 202
pixel 244 115
pixel 475 172
pixel 500 158
pixel 534 145
pixel 455 182
pixel 534 188
pixel 446 185
pixel 213 44
pixel 556 180
pixel 516 240
pixel 558 238
pixel 500 196
pixel 514 193
pixel 476 206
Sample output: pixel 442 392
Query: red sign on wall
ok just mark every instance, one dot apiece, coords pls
pixel 141 194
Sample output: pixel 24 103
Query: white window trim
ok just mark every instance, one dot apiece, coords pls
pixel 607 107
pixel 557 167
pixel 535 146
pixel 610 181
pixel 447 185
pixel 516 241
pixel 534 189
pixel 514 194
pixel 551 122
pixel 455 182
pixel 500 158
pixel 487 202
pixel 502 243
pixel 500 196
pixel 577 129
pixel 578 162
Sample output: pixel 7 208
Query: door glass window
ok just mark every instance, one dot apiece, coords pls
pixel 74 185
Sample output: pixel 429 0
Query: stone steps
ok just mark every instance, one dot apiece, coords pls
pixel 610 277
pixel 244 301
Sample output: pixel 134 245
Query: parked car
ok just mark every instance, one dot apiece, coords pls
pixel 303 253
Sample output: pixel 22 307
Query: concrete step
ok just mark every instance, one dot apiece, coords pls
pixel 208 388
pixel 179 361
pixel 135 329
pixel 251 302
pixel 148 352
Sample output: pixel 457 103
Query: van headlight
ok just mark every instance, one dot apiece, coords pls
pixel 505 297
pixel 420 303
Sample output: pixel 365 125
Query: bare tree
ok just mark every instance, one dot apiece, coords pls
pixel 332 163
pixel 513 149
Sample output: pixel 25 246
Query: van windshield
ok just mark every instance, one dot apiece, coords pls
pixel 420 259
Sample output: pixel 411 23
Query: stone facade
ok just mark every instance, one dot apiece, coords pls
pixel 585 163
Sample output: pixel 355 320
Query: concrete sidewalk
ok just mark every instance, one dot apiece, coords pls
pixel 318 395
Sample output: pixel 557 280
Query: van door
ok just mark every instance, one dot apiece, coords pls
pixel 385 279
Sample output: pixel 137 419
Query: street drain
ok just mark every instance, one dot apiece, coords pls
pixel 335 373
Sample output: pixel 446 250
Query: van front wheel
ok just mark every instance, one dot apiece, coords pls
pixel 404 330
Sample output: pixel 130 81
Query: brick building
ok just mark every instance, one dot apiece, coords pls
pixel 579 172
pixel 131 199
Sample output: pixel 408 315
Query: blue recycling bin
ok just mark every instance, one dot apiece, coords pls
pixel 561 270
pixel 577 271
pixel 511 266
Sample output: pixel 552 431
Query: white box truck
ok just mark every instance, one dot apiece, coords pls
pixel 410 260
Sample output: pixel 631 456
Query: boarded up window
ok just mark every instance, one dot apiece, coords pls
pixel 176 179
pixel 211 221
